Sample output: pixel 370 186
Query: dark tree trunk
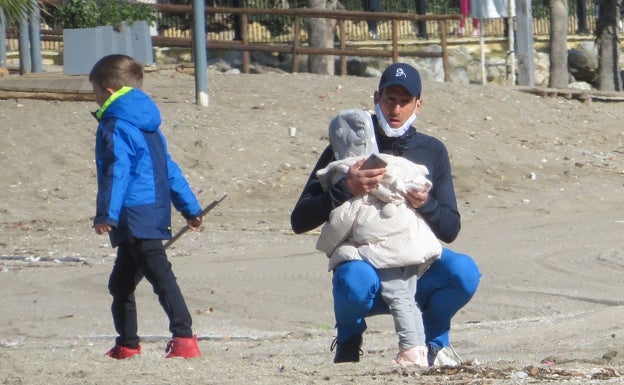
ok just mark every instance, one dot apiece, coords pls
pixel 558 44
pixel 607 42
pixel 321 35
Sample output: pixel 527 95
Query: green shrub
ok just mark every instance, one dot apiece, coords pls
pixel 92 13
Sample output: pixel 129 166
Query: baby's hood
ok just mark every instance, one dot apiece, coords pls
pixel 351 133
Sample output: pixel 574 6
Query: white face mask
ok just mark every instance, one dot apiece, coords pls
pixel 393 132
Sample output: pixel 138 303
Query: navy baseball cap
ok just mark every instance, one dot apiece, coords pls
pixel 401 74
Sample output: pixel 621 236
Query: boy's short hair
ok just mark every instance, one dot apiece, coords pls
pixel 116 71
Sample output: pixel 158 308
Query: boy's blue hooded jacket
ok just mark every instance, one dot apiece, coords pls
pixel 137 179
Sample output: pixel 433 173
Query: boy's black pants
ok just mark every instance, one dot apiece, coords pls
pixel 138 258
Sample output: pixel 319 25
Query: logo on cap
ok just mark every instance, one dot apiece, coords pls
pixel 400 72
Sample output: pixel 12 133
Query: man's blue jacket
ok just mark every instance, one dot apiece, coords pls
pixel 440 211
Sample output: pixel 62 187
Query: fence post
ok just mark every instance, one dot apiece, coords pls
pixel 445 59
pixel 296 44
pixel 343 45
pixel 245 41
pixel 395 41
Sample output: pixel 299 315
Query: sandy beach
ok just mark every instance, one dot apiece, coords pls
pixel 539 182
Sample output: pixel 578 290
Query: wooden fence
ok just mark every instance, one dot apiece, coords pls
pixel 395 30
pixel 296 45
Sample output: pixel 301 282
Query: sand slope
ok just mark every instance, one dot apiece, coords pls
pixel 539 184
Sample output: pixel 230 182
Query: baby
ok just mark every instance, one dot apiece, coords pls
pixel 381 228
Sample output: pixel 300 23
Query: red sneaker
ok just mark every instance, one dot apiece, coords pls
pixel 119 352
pixel 183 347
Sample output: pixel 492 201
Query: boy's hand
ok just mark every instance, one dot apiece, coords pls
pixel 101 228
pixel 194 223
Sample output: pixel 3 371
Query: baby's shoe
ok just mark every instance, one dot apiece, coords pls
pixel 119 352
pixel 413 356
pixel 183 347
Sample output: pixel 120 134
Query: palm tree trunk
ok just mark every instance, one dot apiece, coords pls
pixel 608 51
pixel 321 35
pixel 558 44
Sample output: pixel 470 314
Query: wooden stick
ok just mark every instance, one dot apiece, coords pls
pixel 186 227
pixel 39 259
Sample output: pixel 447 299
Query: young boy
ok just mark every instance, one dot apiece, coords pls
pixel 137 183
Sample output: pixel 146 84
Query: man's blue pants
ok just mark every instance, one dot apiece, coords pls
pixel 446 287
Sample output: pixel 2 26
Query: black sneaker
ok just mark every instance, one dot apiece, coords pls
pixel 348 351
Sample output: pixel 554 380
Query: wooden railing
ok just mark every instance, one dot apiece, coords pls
pixel 389 47
pixel 295 46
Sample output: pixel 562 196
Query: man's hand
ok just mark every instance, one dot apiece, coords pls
pixel 360 182
pixel 101 228
pixel 194 223
pixel 417 198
